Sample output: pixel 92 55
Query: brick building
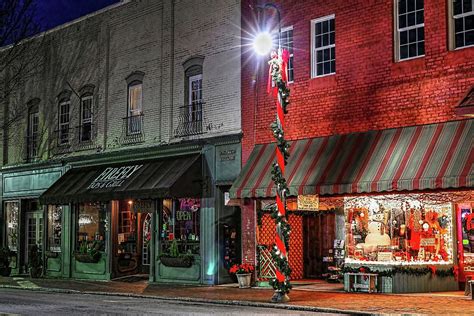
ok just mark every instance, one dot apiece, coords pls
pixel 129 125
pixel 376 89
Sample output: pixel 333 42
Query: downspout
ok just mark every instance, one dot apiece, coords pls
pixel 106 92
pixel 171 116
pixel 160 118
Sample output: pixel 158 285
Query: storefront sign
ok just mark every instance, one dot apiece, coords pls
pixel 227 155
pixel 143 206
pixel 183 215
pixel 384 256
pixel 113 177
pixel 308 202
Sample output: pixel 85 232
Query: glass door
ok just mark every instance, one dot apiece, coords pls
pixel 34 232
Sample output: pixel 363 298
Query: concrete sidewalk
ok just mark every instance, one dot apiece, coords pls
pixel 301 299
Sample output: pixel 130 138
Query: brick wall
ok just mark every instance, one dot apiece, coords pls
pixel 369 90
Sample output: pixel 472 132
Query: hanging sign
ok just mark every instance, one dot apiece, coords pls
pixel 143 206
pixel 113 177
pixel 308 202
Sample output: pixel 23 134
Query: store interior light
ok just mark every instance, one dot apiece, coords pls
pixel 263 43
pixel 130 202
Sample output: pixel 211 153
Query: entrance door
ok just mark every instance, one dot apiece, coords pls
pixel 319 234
pixel 34 232
pixel 146 242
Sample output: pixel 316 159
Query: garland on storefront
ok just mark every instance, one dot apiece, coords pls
pixel 278 69
pixel 432 270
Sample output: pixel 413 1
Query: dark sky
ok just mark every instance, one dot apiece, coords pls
pixel 51 13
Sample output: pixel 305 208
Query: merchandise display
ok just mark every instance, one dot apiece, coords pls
pixel 398 230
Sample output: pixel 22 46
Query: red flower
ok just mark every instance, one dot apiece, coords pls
pixel 241 268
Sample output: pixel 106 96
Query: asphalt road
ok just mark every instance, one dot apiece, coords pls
pixel 21 302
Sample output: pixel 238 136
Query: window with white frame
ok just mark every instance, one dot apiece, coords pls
pixel 64 107
pixel 287 43
pixel 463 15
pixel 195 98
pixel 410 26
pixel 86 118
pixel 323 46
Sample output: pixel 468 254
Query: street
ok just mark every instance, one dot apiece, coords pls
pixel 23 302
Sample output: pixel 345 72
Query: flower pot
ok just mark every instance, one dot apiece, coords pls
pixel 244 280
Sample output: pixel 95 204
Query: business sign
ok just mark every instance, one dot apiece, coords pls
pixel 308 202
pixel 113 177
pixel 143 206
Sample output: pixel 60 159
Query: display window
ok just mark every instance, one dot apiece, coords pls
pixel 12 213
pixel 55 214
pixel 180 224
pixel 466 237
pixel 91 227
pixel 398 229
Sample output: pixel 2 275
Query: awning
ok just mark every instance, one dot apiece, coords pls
pixel 169 177
pixel 436 156
pixel 465 107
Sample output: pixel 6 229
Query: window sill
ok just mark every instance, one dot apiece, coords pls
pixel 409 58
pixel 408 66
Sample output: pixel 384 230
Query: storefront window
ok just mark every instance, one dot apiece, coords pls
pixel 400 229
pixel 466 212
pixel 180 222
pixel 55 214
pixel 91 222
pixel 12 224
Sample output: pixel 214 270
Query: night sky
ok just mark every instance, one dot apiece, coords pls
pixel 51 13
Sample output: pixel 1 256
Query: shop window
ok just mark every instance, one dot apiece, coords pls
pixel 398 229
pixel 323 46
pixel 91 226
pixel 410 29
pixel 55 214
pixel 180 221
pixel 12 224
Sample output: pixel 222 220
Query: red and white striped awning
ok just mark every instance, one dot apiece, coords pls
pixel 436 156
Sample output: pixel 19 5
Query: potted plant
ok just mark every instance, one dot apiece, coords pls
pixel 174 259
pixel 35 262
pixel 5 268
pixel 88 252
pixel 244 274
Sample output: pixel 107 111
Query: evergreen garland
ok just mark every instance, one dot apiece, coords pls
pixel 402 270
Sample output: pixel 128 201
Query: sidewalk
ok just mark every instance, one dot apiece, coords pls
pixel 305 299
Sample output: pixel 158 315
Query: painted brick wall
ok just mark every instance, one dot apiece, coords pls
pixel 369 90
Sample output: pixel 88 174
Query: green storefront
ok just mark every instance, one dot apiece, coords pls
pixel 159 212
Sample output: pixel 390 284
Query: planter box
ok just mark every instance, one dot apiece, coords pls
pixel 86 258
pixel 176 262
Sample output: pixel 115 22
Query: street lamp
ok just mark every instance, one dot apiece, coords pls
pixel 278 76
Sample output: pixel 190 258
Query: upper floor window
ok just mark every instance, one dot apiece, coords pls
pixel 287 43
pixel 463 16
pixel 323 46
pixel 134 119
pixel 32 139
pixel 64 120
pixel 86 118
pixel 410 29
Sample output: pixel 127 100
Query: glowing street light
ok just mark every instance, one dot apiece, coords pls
pixel 263 44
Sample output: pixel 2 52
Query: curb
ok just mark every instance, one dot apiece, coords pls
pixel 198 300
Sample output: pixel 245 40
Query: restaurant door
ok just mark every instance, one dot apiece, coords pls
pixel 319 234
pixel 33 228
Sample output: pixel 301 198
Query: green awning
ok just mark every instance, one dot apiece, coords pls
pixel 169 177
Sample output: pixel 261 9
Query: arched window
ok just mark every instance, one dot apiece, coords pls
pixel 32 138
pixel 64 117
pixel 135 103
pixel 86 113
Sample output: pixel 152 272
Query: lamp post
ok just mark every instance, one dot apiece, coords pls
pixel 278 88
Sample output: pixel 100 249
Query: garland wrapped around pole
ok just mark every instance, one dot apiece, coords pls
pixel 277 86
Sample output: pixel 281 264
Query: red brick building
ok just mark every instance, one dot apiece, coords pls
pixel 359 67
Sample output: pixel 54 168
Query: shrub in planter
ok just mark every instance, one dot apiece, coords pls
pixel 88 253
pixel 5 268
pixel 174 259
pixel 35 263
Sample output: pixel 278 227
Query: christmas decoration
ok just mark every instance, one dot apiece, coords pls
pixel 277 86
pixel 431 269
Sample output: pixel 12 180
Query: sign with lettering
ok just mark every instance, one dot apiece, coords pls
pixel 143 206
pixel 113 177
pixel 227 155
pixel 184 215
pixel 308 202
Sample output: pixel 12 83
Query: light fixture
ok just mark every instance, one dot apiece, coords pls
pixel 263 43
